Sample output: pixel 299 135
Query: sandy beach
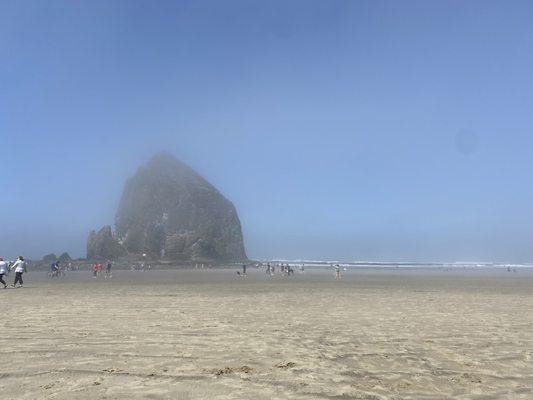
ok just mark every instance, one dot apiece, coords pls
pixel 209 334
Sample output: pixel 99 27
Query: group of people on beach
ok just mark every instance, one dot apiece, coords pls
pixel 19 266
pixel 270 270
pixel 97 268
pixel 58 269
pixel 285 269
pixel 140 267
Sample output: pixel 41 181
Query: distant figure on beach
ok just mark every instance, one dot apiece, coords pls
pixel 96 269
pixel 20 267
pixel 108 267
pixel 243 273
pixel 337 271
pixel 4 269
pixel 269 270
pixel 54 269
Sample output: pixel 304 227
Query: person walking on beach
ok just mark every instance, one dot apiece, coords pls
pixel 269 270
pixel 96 269
pixel 243 273
pixel 4 269
pixel 337 271
pixel 108 267
pixel 20 268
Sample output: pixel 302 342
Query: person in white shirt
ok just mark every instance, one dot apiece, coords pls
pixel 20 268
pixel 337 271
pixel 3 271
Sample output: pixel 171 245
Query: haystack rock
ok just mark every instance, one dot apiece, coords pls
pixel 168 211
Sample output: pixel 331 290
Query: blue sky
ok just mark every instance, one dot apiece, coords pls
pixel 348 130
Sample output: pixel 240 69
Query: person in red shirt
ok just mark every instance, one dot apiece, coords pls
pixel 95 270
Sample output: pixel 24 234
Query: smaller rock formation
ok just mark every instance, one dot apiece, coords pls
pixel 50 258
pixel 104 245
pixel 65 258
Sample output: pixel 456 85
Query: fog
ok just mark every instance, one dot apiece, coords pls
pixel 340 130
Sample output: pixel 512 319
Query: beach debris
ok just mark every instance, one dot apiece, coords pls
pixel 112 370
pixel 48 385
pixel 285 365
pixel 230 370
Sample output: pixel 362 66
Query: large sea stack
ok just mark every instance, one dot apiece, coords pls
pixel 168 211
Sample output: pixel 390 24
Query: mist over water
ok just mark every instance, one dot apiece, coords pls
pixel 340 130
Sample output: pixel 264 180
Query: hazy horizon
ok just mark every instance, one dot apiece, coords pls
pixel 371 130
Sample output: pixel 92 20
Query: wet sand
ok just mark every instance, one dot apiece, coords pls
pixel 208 334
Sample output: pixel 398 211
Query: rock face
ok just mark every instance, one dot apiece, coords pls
pixel 103 245
pixel 169 211
pixel 65 257
pixel 49 258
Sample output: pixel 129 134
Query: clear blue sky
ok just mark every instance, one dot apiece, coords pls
pixel 383 130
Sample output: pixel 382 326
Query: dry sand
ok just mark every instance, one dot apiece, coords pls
pixel 376 334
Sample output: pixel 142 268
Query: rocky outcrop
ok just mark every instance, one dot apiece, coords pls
pixel 65 257
pixel 168 211
pixel 49 258
pixel 103 245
